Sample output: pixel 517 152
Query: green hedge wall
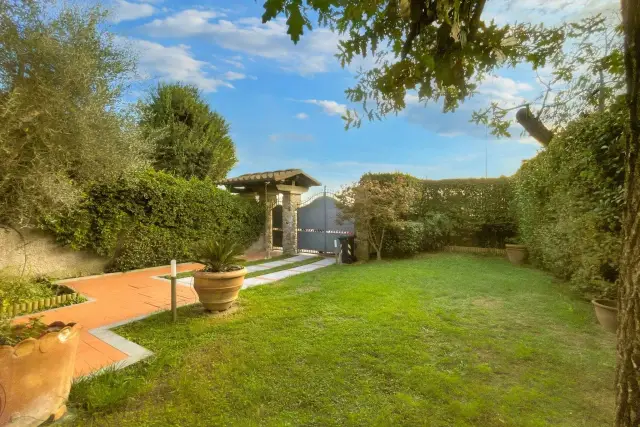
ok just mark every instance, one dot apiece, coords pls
pixel 569 198
pixel 479 210
pixel 155 218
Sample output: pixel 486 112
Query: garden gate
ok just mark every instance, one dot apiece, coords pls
pixel 318 225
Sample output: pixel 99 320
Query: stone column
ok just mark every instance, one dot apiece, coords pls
pixel 290 203
pixel 270 203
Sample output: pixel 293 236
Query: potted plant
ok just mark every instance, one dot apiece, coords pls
pixel 219 282
pixel 516 251
pixel 36 370
pixel 606 309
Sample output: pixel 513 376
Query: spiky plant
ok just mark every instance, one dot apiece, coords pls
pixel 218 256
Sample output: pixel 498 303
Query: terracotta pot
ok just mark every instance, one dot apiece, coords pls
pixel 517 254
pixel 36 376
pixel 217 291
pixel 607 313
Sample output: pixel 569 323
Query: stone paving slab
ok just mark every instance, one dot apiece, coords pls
pixel 307 268
pixel 279 275
pixel 255 281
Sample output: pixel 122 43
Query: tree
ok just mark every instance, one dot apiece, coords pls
pixel 193 141
pixel 440 48
pixel 61 77
pixel 628 335
pixel 375 204
pixel 586 76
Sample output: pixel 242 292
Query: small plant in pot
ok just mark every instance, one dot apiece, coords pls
pixel 606 308
pixel 219 282
pixel 516 251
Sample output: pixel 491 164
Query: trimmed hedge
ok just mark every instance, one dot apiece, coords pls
pixel 569 197
pixel 477 212
pixel 155 218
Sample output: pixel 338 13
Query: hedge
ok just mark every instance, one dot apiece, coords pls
pixel 568 200
pixel 155 218
pixel 478 211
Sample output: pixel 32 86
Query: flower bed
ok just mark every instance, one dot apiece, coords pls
pixel 61 296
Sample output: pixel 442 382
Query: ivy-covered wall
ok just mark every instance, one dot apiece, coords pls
pixel 155 218
pixel 568 201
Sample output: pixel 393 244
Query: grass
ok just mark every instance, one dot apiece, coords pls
pixel 246 264
pixel 443 340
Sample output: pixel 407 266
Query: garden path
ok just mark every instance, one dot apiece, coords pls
pixel 120 298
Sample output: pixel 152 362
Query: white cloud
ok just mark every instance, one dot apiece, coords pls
pixel 301 116
pixel 450 134
pixel 236 61
pixel 313 54
pixel 332 108
pixel 503 89
pixel 128 11
pixel 549 12
pixel 175 63
pixel 232 75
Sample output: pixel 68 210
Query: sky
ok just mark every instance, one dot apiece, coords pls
pixel 284 101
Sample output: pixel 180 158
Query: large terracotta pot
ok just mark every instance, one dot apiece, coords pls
pixel 517 254
pixel 217 291
pixel 607 313
pixel 36 376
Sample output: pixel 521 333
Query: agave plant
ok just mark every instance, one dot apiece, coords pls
pixel 218 256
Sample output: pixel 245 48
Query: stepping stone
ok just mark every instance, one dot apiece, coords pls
pixel 308 267
pixel 257 267
pixel 279 275
pixel 255 281
pixel 185 281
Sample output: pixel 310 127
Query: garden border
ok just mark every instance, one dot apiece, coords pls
pixel 476 250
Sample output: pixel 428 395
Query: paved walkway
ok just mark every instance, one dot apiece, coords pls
pixel 121 298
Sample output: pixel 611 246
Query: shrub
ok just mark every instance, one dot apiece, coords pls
pixel 404 238
pixel 437 228
pixel 16 289
pixel 568 200
pixel 155 218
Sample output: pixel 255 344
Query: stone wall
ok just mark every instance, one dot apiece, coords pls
pixel 44 256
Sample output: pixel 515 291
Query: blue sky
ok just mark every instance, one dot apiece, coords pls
pixel 284 101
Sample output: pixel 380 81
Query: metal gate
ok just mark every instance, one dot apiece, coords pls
pixel 318 225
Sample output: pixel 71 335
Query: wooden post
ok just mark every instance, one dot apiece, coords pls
pixel 174 303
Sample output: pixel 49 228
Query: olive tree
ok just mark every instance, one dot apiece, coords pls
pixel 61 125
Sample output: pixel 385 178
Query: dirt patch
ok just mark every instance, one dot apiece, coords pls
pixel 200 311
pixel 487 302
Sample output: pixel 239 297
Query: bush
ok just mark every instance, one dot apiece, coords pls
pixel 437 228
pixel 568 200
pixel 16 289
pixel 404 239
pixel 155 218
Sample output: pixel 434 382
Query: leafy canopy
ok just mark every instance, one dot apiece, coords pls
pixel 587 75
pixel 376 205
pixel 61 77
pixel 440 48
pixel 191 140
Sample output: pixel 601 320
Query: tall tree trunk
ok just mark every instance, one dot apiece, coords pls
pixel 628 349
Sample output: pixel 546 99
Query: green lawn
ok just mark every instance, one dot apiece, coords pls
pixel 443 340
